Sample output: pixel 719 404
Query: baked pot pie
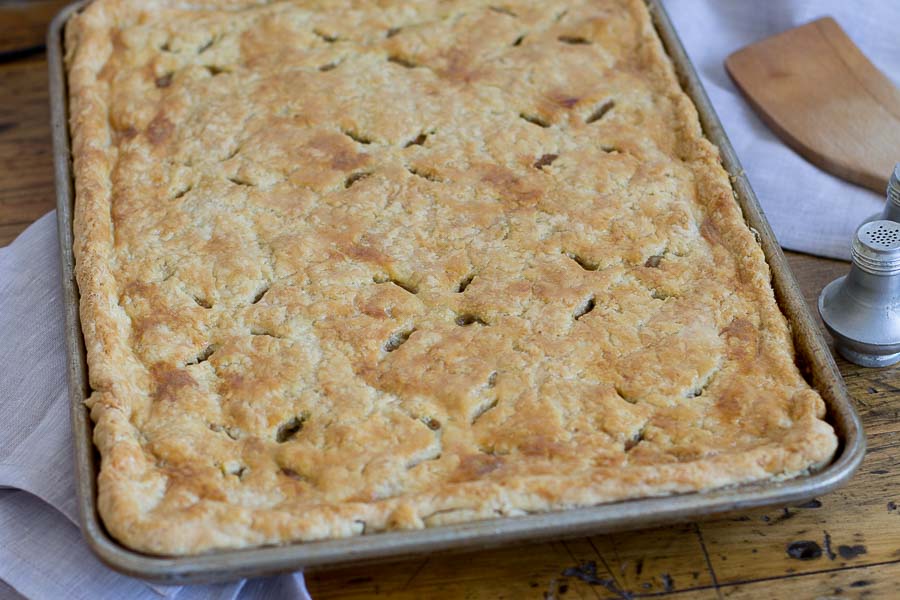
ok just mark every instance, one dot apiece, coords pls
pixel 347 267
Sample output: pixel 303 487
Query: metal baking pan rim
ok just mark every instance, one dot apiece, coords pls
pixel 812 353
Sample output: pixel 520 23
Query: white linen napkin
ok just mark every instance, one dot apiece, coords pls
pixel 42 554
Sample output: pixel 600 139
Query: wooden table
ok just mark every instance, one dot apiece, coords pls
pixel 856 529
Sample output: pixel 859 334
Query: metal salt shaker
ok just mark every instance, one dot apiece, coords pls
pixel 891 210
pixel 862 309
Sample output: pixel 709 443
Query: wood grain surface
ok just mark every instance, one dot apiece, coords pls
pixel 815 88
pixel 845 544
pixel 23 25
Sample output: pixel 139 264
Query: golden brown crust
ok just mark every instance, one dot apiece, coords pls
pixel 349 269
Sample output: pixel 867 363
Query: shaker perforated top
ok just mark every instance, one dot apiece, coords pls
pixel 876 247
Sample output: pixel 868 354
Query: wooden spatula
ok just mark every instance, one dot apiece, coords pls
pixel 823 97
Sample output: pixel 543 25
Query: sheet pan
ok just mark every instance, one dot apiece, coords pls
pixel 813 357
